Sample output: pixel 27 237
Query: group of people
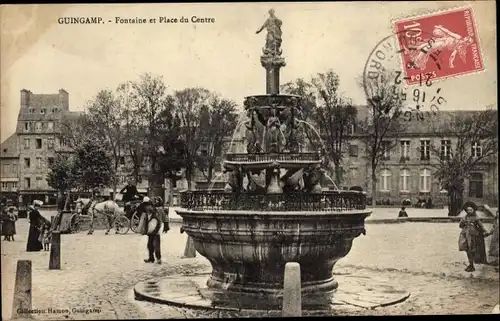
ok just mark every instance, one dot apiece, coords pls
pixel 471 239
pixel 8 219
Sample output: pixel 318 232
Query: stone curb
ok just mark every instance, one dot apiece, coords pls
pixel 396 220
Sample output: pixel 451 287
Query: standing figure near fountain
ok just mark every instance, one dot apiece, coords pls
pixel 273 39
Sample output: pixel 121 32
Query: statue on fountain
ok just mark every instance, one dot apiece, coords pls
pixel 273 38
pixel 274 135
pixel 253 143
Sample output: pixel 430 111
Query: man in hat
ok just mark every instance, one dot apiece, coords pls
pixel 153 228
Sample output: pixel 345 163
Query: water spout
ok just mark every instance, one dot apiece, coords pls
pixel 215 180
pixel 331 180
pixel 241 119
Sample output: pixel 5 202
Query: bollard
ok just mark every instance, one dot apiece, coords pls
pixel 189 250
pixel 22 290
pixel 55 251
pixel 292 292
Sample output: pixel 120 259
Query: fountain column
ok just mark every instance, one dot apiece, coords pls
pixel 272 64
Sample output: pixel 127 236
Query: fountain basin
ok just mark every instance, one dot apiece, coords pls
pixel 248 250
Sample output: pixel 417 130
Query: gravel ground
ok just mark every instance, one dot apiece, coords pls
pixel 99 271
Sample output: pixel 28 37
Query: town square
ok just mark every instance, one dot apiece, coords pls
pixel 257 175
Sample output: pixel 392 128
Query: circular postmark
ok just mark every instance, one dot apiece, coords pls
pixel 394 77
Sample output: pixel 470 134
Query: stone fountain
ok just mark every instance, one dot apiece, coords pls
pixel 250 231
pixel 273 209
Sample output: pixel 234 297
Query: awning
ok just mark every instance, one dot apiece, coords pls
pixel 9 179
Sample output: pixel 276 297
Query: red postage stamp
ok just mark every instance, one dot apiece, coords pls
pixel 439 45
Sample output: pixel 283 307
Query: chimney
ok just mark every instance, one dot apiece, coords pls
pixel 64 99
pixel 25 98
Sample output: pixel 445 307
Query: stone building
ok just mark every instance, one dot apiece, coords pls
pixel 26 153
pixel 407 171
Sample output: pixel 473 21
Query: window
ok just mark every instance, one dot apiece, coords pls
pixel 38 162
pixel 425 180
pixel 425 149
pixel 38 143
pixel 42 111
pixel 385 182
pixel 204 152
pixel 122 160
pixel 6 169
pixel 50 125
pixel 445 149
pixel 476 185
pixel 50 143
pixel 27 182
pixel 38 182
pixel 38 126
pixel 50 161
pixel 476 150
pixel 217 150
pixel 27 163
pixel 31 110
pixel 353 150
pixel 26 143
pixel 26 126
pixel 404 185
pixel 405 149
pixel 385 150
pixel 352 129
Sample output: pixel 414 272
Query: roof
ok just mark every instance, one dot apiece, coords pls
pixel 424 123
pixel 9 147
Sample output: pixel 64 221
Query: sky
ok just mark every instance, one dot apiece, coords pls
pixel 41 55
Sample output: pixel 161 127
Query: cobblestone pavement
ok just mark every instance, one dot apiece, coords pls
pixel 99 271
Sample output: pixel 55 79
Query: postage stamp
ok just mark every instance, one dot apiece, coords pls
pixel 445 45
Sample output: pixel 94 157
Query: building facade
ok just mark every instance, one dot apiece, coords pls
pixel 407 170
pixel 27 153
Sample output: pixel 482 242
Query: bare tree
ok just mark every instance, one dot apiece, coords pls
pixel 145 103
pixel 382 126
pixel 187 105
pixel 105 116
pixel 468 140
pixel 334 115
pixel 217 122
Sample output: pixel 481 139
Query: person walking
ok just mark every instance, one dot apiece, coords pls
pixel 36 220
pixel 471 239
pixel 152 226
pixel 10 224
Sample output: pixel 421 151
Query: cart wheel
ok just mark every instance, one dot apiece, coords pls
pixel 134 223
pixel 122 224
pixel 75 224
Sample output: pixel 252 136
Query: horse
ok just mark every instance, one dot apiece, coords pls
pixel 108 208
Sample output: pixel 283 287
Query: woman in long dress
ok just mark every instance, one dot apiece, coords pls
pixel 36 221
pixel 493 251
pixel 471 238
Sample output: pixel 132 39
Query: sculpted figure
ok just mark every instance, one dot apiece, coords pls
pixel 253 144
pixel 273 142
pixel 273 39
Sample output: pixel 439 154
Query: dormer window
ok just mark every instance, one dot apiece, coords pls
pixel 31 110
pixel 42 111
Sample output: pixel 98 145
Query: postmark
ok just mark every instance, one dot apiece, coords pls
pixel 450 36
pixel 385 78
